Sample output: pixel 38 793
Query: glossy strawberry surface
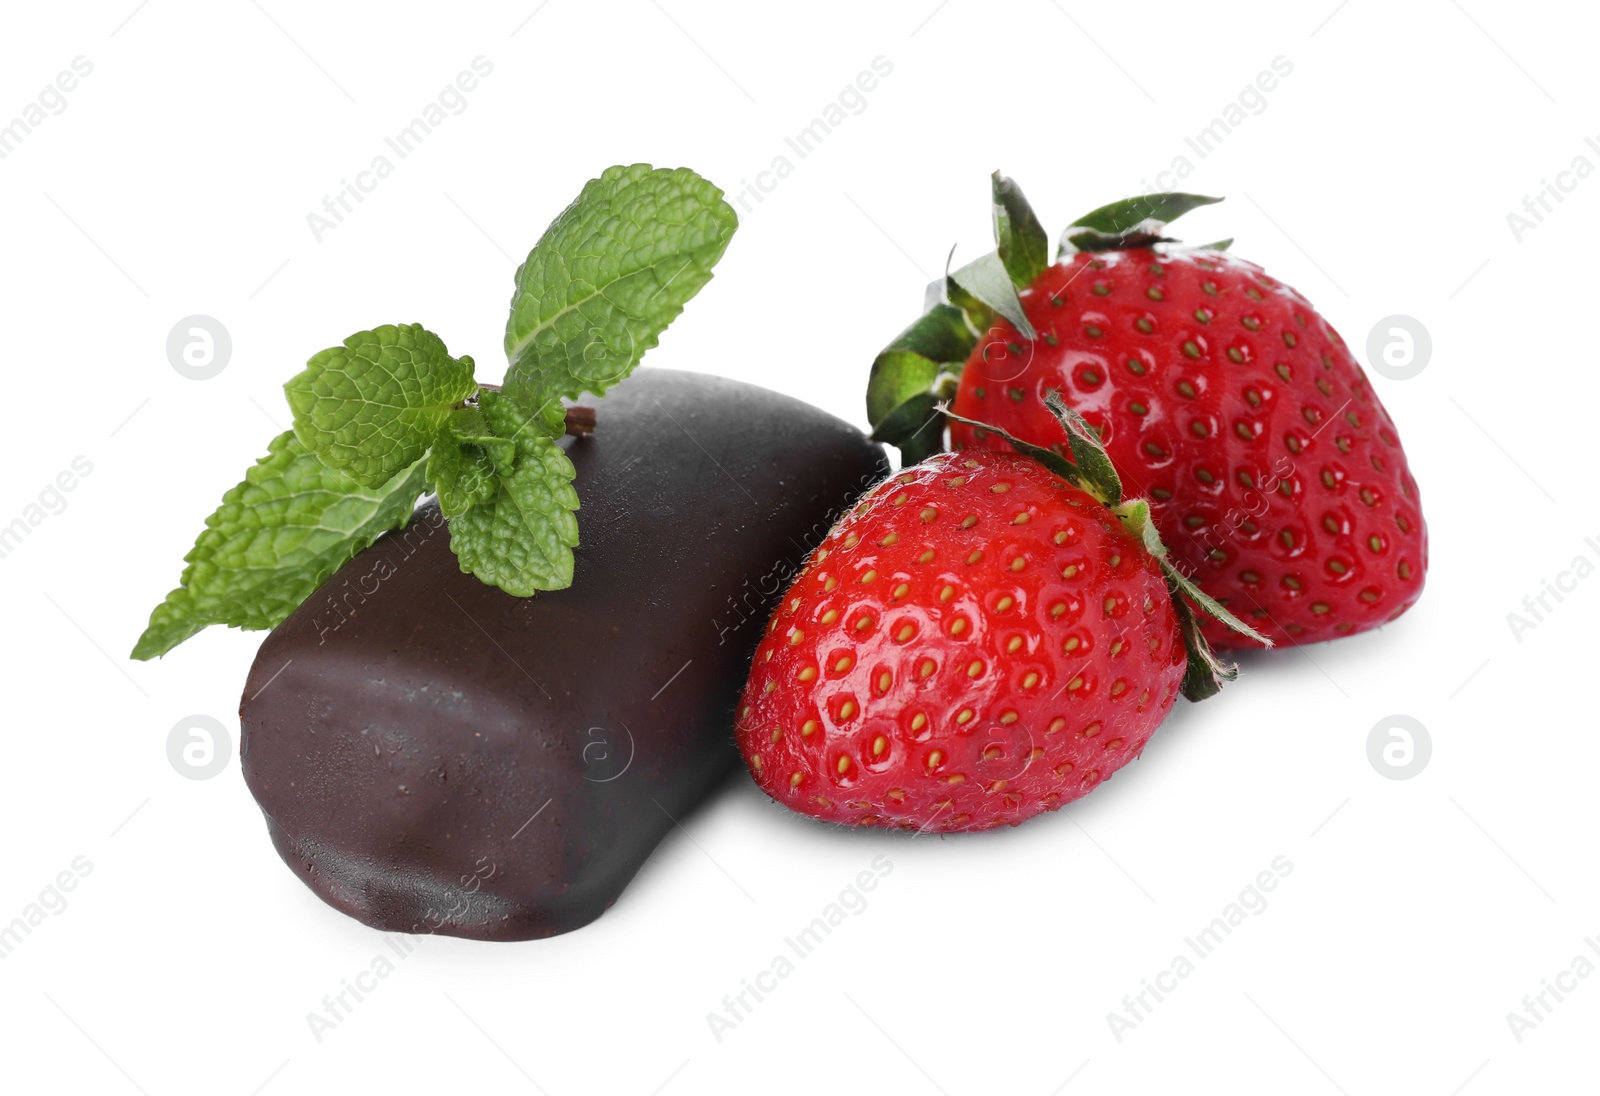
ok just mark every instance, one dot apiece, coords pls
pixel 976 642
pixel 1275 476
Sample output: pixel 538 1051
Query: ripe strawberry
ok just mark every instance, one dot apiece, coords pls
pixel 1274 473
pixel 977 642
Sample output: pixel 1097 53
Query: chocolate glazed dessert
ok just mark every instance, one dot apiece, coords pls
pixel 433 754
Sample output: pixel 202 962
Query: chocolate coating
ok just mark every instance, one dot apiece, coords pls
pixel 435 755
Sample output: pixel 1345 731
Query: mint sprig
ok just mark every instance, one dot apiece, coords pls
pixel 521 537
pixel 607 277
pixel 372 406
pixel 467 461
pixel 275 538
pixel 389 414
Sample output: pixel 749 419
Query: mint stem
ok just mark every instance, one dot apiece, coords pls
pixel 580 420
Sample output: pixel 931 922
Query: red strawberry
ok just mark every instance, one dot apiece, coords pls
pixel 977 642
pixel 1275 475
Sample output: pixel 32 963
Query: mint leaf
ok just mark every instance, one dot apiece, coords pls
pixel 607 277
pixel 521 538
pixel 372 406
pixel 274 539
pixel 466 461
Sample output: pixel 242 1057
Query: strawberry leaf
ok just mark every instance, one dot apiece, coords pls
pixel 1052 460
pixel 1022 243
pixel 1087 451
pixel 1211 605
pixel 901 392
pixel 938 341
pixel 915 427
pixel 1205 673
pixel 1131 222
pixel 986 281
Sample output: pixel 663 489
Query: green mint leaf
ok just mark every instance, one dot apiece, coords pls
pixel 607 277
pixel 985 279
pixel 1132 222
pixel 1023 244
pixel 373 405
pixel 274 539
pixel 521 539
pixel 1088 453
pixel 466 461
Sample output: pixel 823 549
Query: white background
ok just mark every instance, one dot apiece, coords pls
pixel 1377 179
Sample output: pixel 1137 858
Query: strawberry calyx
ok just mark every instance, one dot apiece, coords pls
pixel 922 366
pixel 1131 222
pixel 1089 468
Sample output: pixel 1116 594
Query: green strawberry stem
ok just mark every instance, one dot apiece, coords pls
pixel 1090 469
pixel 919 368
pixel 1131 222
